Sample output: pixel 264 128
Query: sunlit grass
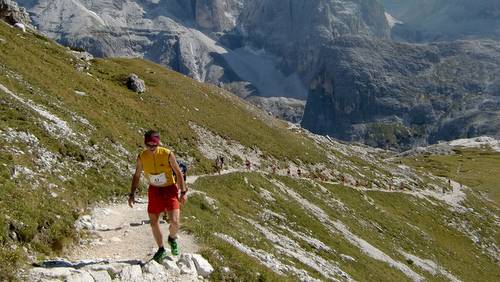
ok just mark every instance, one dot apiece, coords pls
pixel 478 169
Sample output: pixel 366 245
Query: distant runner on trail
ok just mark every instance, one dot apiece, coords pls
pixel 159 165
pixel 248 164
pixel 218 164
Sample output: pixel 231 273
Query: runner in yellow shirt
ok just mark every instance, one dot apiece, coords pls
pixel 159 164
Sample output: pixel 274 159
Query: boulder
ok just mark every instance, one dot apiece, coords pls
pixel 186 264
pixel 41 273
pixel 13 14
pixel 81 277
pixel 155 268
pixel 82 55
pixel 101 276
pixel 203 267
pixel 20 26
pixel 114 268
pixel 135 84
pixel 131 273
pixel 85 222
pixel 171 266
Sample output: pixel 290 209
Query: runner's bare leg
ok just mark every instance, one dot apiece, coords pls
pixel 174 216
pixel 154 221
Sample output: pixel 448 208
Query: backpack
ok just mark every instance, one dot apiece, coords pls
pixel 183 168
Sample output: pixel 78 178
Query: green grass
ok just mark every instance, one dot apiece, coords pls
pixel 387 134
pixel 391 211
pixel 237 198
pixel 171 101
pixel 40 71
pixel 230 192
pixel 477 169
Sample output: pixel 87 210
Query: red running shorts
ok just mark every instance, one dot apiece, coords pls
pixel 162 199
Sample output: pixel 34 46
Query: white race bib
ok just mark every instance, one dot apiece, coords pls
pixel 158 179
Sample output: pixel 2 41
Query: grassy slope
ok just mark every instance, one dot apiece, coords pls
pixel 236 198
pixel 171 99
pixel 478 169
pixel 36 69
pixel 389 221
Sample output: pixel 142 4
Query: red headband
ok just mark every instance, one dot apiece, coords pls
pixel 152 139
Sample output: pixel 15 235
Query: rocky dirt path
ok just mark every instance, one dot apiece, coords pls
pixel 119 247
pixel 119 232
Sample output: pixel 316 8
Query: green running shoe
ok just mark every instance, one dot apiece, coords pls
pixel 160 255
pixel 173 246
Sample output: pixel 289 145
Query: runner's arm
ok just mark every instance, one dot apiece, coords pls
pixel 178 173
pixel 136 177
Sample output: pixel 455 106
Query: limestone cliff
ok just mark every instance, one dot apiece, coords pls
pixel 12 13
pixel 400 95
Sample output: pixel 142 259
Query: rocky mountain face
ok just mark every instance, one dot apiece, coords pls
pixel 288 108
pixel 337 55
pixel 441 20
pixel 226 42
pixel 158 30
pixel 10 12
pixel 297 30
pixel 399 95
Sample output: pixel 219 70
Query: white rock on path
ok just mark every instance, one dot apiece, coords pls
pixel 171 266
pixel 203 267
pixel 101 276
pixel 154 268
pixel 81 277
pixel 85 222
pixel 113 268
pixel 154 271
pixel 186 267
pixel 132 273
pixel 186 264
pixel 40 273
